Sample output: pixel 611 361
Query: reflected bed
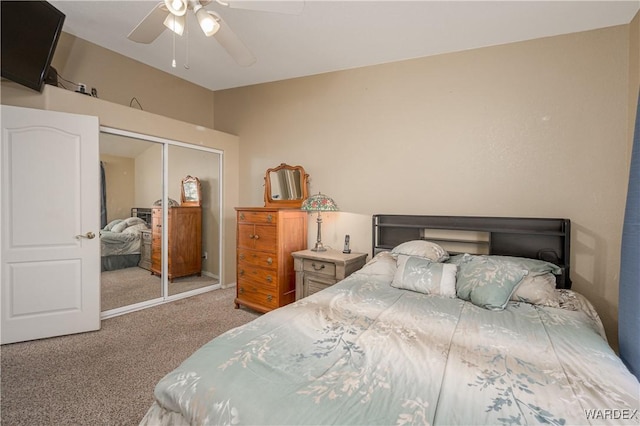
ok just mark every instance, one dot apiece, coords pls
pixel 120 240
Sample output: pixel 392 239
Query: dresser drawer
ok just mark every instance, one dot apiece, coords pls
pixel 259 237
pixel 261 277
pixel 248 292
pixel 256 217
pixel 256 258
pixel 319 267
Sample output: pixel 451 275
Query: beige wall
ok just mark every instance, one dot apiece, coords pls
pixel 536 128
pixel 122 117
pixel 119 79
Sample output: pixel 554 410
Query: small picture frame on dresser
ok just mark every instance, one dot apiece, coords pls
pixel 191 192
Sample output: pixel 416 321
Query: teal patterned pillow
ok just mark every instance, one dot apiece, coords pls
pixel 488 282
pixel 534 267
pixel 424 276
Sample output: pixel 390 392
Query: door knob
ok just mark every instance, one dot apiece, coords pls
pixel 89 235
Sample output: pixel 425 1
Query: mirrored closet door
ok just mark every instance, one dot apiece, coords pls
pixel 140 268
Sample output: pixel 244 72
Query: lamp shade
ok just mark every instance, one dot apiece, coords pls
pixel 176 7
pixel 208 21
pixel 319 203
pixel 175 23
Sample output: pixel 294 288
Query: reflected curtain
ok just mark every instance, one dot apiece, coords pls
pixel 629 296
pixel 103 197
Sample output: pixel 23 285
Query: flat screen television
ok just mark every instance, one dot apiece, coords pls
pixel 30 33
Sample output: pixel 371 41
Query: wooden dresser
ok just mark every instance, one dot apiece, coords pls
pixel 265 239
pixel 185 241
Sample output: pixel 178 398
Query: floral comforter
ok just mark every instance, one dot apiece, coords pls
pixel 363 352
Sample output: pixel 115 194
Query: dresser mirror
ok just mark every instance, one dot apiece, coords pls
pixel 191 191
pixel 285 186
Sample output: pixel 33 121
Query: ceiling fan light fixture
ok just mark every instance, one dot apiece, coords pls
pixel 175 23
pixel 208 21
pixel 176 7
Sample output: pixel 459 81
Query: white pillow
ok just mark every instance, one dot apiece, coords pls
pixel 421 275
pixel 538 290
pixel 421 248
pixel 134 229
pixel 383 264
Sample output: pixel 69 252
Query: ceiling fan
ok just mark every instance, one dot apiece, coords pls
pixel 171 14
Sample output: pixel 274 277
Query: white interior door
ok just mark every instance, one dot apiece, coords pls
pixel 50 256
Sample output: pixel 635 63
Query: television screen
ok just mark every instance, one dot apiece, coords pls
pixel 30 33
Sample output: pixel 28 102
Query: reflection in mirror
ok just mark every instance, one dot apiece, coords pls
pixel 205 165
pixel 129 167
pixel 191 191
pixel 130 249
pixel 285 186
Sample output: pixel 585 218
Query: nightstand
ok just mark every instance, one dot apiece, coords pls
pixel 316 271
pixel 145 249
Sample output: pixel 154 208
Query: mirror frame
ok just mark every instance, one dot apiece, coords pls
pixel 188 181
pixel 269 202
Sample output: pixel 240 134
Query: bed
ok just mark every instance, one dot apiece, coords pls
pixel 120 240
pixel 455 320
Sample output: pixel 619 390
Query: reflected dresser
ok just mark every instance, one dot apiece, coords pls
pixel 265 239
pixel 184 231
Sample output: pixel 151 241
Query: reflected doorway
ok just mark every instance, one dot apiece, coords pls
pixel 139 172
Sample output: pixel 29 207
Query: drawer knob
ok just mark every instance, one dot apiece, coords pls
pixel 241 272
pixel 316 266
pixel 269 261
pixel 269 278
pixel 269 298
pixel 269 218
pixel 241 256
pixel 256 236
pixel 241 216
pixel 241 290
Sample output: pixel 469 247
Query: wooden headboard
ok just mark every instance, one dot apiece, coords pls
pixel 534 238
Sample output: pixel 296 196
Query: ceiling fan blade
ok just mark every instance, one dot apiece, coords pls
pixel 151 26
pixel 286 7
pixel 233 45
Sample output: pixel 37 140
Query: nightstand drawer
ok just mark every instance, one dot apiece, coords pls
pixel 146 235
pixel 317 270
pixel 319 267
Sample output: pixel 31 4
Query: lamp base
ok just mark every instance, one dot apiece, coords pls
pixel 319 247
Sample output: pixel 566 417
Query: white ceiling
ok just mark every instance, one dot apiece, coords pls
pixel 335 35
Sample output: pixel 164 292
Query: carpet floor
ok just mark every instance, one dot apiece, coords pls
pixel 107 377
pixel 127 286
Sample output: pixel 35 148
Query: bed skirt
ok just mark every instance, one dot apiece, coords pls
pixel 111 263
